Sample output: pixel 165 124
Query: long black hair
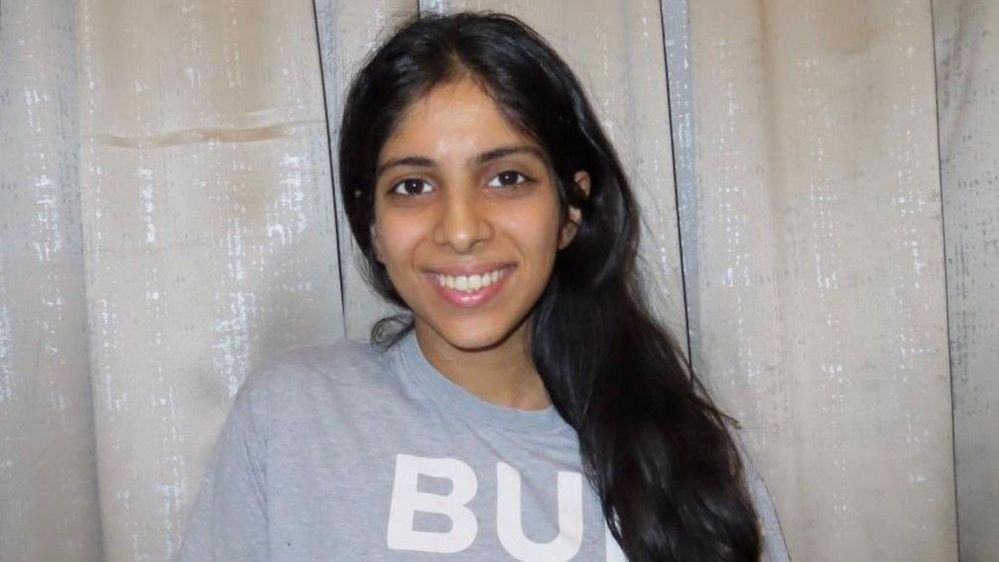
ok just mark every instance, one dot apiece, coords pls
pixel 655 448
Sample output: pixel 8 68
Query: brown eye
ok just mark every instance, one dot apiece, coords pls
pixel 412 186
pixel 507 178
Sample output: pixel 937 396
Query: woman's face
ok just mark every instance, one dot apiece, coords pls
pixel 467 219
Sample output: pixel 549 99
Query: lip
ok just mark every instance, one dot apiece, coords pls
pixel 469 299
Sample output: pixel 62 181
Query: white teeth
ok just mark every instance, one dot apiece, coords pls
pixel 469 283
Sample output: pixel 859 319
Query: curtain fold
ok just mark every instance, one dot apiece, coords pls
pixel 168 218
pixel 817 282
pixel 209 234
pixel 967 44
pixel 348 31
pixel 48 485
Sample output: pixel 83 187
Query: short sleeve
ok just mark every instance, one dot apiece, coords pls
pixel 229 518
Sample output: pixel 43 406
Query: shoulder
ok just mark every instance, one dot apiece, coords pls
pixel 334 362
pixel 304 374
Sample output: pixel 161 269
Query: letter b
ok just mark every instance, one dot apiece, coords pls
pixel 407 500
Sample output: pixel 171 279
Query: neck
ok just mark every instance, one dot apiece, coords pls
pixel 503 374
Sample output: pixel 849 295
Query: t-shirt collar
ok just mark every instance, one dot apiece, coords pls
pixel 452 396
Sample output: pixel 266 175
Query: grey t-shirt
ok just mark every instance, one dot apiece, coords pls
pixel 343 452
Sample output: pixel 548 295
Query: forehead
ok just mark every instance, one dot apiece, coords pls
pixel 456 119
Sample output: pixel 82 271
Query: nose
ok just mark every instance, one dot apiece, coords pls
pixel 462 223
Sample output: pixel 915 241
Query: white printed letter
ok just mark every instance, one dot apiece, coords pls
pixel 511 531
pixel 407 500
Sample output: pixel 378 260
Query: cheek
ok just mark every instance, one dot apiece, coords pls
pixel 536 226
pixel 395 239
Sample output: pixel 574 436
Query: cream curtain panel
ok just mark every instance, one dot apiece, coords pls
pixel 821 188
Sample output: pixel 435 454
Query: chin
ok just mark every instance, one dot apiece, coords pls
pixel 475 336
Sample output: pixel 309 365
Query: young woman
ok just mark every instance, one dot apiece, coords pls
pixel 529 407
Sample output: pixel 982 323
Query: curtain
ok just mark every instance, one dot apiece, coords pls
pixel 48 486
pixel 967 40
pixel 818 182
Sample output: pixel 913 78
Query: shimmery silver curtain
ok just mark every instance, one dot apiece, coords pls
pixel 821 189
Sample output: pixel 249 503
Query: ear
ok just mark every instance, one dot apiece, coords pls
pixel 571 226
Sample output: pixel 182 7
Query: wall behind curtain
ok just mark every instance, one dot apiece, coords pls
pixel 167 220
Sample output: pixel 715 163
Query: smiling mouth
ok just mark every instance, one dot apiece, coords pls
pixel 470 290
pixel 470 283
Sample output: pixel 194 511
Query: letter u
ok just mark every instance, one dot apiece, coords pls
pixel 509 525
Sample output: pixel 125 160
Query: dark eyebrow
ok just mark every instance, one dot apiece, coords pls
pixel 485 157
pixel 418 161
pixel 502 151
